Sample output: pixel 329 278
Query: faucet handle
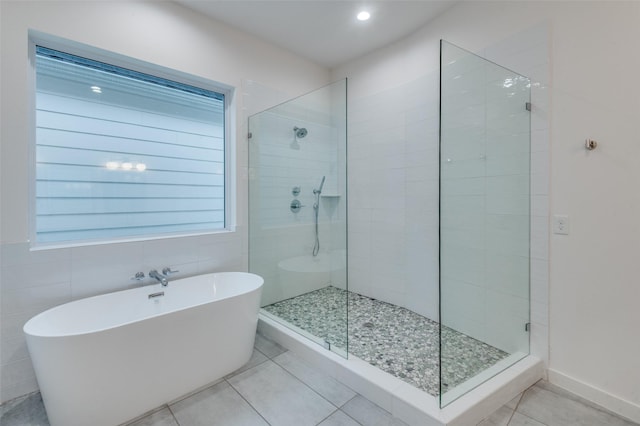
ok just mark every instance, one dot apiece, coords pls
pixel 168 271
pixel 139 276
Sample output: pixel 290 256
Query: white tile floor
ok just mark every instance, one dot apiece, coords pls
pixel 544 404
pixel 277 388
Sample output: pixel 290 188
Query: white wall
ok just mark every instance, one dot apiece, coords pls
pixel 157 32
pixel 593 62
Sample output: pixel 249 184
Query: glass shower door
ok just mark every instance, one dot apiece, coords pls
pixel 484 220
pixel 297 213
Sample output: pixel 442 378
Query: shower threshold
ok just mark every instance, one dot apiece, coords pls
pixel 493 388
pixel 389 337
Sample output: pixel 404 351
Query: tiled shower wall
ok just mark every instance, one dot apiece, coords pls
pixel 283 162
pixel 485 215
pixel 393 184
pixel 528 53
pixel 278 162
pixel 393 195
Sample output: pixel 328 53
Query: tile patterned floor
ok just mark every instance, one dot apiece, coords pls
pixel 277 388
pixel 545 404
pixel 390 337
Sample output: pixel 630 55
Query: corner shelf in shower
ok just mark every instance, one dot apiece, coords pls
pixel 330 195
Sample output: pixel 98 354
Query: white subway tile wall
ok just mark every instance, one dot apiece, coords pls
pixel 393 167
pixel 393 195
pixel 280 161
pixel 506 204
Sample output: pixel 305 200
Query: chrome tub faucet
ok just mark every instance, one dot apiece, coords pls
pixel 159 277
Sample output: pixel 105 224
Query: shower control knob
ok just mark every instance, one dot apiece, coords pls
pixel 295 191
pixel 139 276
pixel 295 206
pixel 169 271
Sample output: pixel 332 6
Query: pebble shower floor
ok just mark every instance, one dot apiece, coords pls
pixel 390 337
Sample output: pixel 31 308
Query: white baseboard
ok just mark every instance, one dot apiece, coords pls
pixel 604 399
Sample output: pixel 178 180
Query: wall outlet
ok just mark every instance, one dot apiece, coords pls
pixel 561 224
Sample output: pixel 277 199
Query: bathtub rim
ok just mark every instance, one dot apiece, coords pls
pixel 31 323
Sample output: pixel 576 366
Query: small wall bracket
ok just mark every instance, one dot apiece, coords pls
pixel 527 106
pixel 590 144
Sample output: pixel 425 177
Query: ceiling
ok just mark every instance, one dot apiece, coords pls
pixel 324 31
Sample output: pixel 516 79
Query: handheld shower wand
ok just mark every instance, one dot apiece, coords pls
pixel 316 208
pixel 319 190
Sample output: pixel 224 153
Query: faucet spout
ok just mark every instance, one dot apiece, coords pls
pixel 158 276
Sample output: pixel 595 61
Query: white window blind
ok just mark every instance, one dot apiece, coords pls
pixel 124 154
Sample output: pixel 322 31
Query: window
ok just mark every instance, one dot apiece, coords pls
pixel 123 154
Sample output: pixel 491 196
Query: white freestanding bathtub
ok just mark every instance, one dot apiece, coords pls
pixel 107 359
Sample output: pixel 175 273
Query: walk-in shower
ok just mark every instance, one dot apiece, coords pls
pixel 438 229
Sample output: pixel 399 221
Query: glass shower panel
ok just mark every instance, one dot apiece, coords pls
pixel 484 220
pixel 297 213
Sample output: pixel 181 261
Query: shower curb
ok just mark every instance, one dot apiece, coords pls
pixel 402 400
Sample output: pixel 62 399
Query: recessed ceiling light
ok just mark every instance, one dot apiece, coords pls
pixel 363 16
pixel 96 89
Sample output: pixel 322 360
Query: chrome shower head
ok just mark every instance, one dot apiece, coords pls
pixel 300 132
